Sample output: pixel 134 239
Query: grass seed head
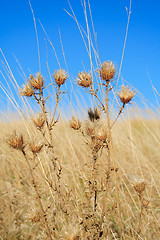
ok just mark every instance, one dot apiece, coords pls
pixel 36 83
pixel 94 114
pixel 27 90
pixel 75 123
pixel 16 141
pixel 39 121
pixel 107 71
pixel 60 77
pixel 126 94
pixel 139 187
pixel 84 79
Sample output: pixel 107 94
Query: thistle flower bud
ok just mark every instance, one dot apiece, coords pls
pixel 35 148
pixel 126 94
pixel 39 121
pixel 36 83
pixel 60 77
pixel 140 187
pixel 84 79
pixel 27 90
pixel 16 142
pixel 107 71
pixel 75 123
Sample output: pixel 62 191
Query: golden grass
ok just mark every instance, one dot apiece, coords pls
pixel 69 206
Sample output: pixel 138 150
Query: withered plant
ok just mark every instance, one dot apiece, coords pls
pixel 68 182
pixel 35 88
pixel 98 135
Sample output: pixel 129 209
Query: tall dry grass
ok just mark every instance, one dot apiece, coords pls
pixel 69 208
pixel 91 178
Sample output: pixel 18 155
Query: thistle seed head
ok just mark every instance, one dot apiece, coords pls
pixel 36 83
pixel 107 71
pixel 27 90
pixel 75 123
pixel 90 130
pixel 84 79
pixel 94 114
pixel 101 133
pixel 35 148
pixel 126 94
pixel 60 77
pixel 39 121
pixel 139 187
pixel 16 141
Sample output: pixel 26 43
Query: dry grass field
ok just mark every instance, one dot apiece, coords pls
pixel 67 189
pixel 70 178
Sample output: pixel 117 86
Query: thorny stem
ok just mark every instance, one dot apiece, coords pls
pixel 37 194
pixel 57 101
pixel 120 111
pixel 100 104
pixel 49 142
pixel 42 105
pixel 108 129
pixel 140 219
pixel 94 153
pixel 103 209
pixel 119 210
pixel 108 157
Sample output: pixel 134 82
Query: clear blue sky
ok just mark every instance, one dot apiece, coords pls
pixel 142 52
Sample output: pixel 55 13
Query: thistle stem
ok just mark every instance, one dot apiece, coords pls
pixel 120 111
pixel 37 194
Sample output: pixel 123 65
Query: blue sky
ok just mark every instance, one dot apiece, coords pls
pixel 142 52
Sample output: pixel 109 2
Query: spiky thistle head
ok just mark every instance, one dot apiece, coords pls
pixel 126 94
pixel 16 141
pixel 35 148
pixel 39 121
pixel 101 133
pixel 107 71
pixel 90 129
pixel 84 79
pixel 75 123
pixel 94 114
pixel 36 83
pixel 26 91
pixel 140 187
pixel 60 77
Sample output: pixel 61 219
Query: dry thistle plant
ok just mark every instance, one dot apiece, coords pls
pixel 35 88
pixel 101 136
pixel 107 73
pixel 95 136
pixel 17 142
pixel 81 187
